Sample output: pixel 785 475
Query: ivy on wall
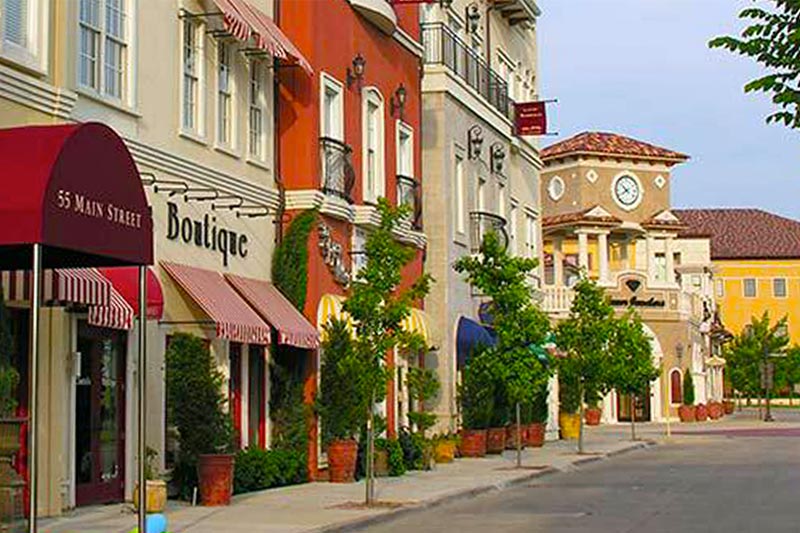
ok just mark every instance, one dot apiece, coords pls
pixel 290 260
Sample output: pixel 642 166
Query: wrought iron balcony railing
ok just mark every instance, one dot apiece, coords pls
pixel 409 193
pixel 444 47
pixel 338 175
pixel 482 223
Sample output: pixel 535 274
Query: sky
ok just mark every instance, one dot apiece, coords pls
pixel 643 68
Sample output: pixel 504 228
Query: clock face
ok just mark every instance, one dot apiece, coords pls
pixel 627 191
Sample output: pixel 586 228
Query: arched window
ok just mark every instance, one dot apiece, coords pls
pixel 676 384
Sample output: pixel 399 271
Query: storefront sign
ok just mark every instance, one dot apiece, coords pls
pixel 635 302
pixel 89 207
pixel 530 118
pixel 205 234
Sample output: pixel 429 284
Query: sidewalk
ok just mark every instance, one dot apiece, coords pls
pixel 331 507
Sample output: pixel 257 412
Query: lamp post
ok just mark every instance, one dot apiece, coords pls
pixel 767 378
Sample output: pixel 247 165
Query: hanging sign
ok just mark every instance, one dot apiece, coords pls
pixel 530 118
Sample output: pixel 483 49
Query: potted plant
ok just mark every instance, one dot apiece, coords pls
pixel 499 420
pixel 156 486
pixel 476 395
pixel 715 410
pixel 535 427
pixel 341 401
pixel 569 404
pixel 10 423
pixel 444 448
pixel 701 412
pixel 686 411
pixel 593 412
pixel 422 385
pixel 728 405
pixel 196 407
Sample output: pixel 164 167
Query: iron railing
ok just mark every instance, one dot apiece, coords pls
pixel 338 175
pixel 444 47
pixel 482 223
pixel 409 193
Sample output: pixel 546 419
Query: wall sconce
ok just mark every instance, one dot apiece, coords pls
pixel 679 353
pixel 357 73
pixel 398 101
pixel 473 17
pixel 497 155
pixel 474 141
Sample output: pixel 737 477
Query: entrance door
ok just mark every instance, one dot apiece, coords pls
pixel 642 406
pixel 100 416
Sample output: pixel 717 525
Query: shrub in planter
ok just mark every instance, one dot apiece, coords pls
pixel 495 440
pixel 592 413
pixel 156 487
pixel 444 448
pixel 536 419
pixel 477 397
pixel 412 446
pixel 728 406
pixel 687 412
pixel 701 412
pixel 715 410
pixel 569 402
pixel 258 469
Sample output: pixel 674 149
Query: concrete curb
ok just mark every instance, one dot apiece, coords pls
pixel 359 524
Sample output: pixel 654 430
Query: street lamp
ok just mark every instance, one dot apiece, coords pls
pixel 767 375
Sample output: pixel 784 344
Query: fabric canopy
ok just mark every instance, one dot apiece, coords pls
pixel 126 282
pixel 293 328
pixel 117 314
pixel 84 286
pixel 469 336
pixel 235 320
pixel 242 20
pixel 417 322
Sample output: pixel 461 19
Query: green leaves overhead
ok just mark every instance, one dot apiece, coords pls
pixel 745 353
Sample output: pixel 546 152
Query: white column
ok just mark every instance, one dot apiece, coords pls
pixel 551 430
pixel 583 250
pixel 670 260
pixel 651 258
pixel 558 262
pixel 602 256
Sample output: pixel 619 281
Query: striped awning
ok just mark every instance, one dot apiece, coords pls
pixel 234 319
pixel 84 286
pixel 330 307
pixel 417 322
pixel 118 314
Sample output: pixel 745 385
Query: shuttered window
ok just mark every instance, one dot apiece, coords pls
pixel 15 22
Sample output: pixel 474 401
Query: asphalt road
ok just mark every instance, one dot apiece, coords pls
pixel 730 481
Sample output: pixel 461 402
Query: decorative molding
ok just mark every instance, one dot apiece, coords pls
pixel 26 90
pixel 332 255
pixel 660 181
pixel 408 42
pixel 598 212
pixel 666 216
pixel 592 175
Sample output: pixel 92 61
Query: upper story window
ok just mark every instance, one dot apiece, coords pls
pixel 749 288
pixel 224 95
pixel 460 196
pixel 256 145
pixel 530 236
pixel 103 51
pixel 512 228
pixel 501 199
pixel 405 150
pixel 16 16
pixel 192 78
pixel 373 145
pixel 661 267
pixel 332 111
pixel 22 31
pixel 779 287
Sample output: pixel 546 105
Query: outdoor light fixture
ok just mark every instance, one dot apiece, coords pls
pixel 679 352
pixel 474 141
pixel 398 102
pixel 497 154
pixel 357 73
pixel 473 16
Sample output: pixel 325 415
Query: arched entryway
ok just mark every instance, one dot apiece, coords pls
pixel 648 407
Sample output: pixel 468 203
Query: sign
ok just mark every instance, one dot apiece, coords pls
pixel 205 234
pixel 401 2
pixel 530 118
pixel 636 302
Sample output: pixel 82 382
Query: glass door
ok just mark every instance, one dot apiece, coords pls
pixel 641 404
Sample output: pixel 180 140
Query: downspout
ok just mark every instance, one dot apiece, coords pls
pixel 276 145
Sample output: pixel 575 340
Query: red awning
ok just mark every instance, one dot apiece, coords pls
pixel 234 319
pixel 292 326
pixel 242 20
pixel 118 314
pixel 84 286
pixel 75 190
pixel 126 282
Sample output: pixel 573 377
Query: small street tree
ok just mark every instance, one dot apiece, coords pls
pixel 632 369
pixel 378 305
pixel 772 39
pixel 517 322
pixel 586 336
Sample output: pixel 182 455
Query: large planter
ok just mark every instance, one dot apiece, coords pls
pixel 701 412
pixel 535 435
pixel 156 496
pixel 473 443
pixel 215 473
pixel 444 451
pixel 715 410
pixel 592 416
pixel 686 413
pixel 381 463
pixel 496 440
pixel 511 437
pixel 342 455
pixel 570 425
pixel 10 429
pixel 728 406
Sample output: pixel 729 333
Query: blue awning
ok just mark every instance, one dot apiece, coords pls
pixel 469 336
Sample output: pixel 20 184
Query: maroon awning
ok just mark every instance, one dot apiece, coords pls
pixel 75 190
pixel 126 282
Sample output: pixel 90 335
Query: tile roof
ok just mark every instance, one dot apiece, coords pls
pixel 602 143
pixel 743 233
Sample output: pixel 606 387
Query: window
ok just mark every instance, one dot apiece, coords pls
pixel 512 228
pixel 103 47
pixel 224 95
pixel 256 119
pixel 23 32
pixel 661 267
pixel 373 145
pixel 15 22
pixel 530 236
pixel 720 284
pixel 358 255
pixel 676 386
pixel 749 288
pixel 405 150
pixel 501 200
pixel 460 196
pixel 192 75
pixel 235 390
pixel 779 287
pixel 481 194
pixel 332 109
pixel 256 400
pixel 697 281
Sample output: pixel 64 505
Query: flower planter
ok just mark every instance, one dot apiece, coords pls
pixel 10 429
pixel 342 456
pixel 535 435
pixel 511 437
pixel 715 410
pixel 701 412
pixel 728 406
pixel 686 413
pixel 496 440
pixel 156 496
pixel 592 416
pixel 215 473
pixel 473 443
pixel 381 463
pixel 444 451
pixel 570 425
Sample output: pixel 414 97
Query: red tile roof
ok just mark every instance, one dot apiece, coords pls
pixel 743 233
pixel 601 143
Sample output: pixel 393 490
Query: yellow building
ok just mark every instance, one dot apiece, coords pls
pixel 756 257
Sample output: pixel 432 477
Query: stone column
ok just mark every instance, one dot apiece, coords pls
pixel 558 262
pixel 583 250
pixel 670 260
pixel 650 261
pixel 602 256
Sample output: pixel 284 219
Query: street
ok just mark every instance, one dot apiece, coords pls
pixel 726 480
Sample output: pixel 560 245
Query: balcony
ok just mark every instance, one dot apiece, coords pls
pixel 444 47
pixel 482 223
pixel 410 194
pixel 557 300
pixel 338 176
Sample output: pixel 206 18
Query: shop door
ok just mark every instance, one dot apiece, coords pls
pixel 100 416
pixel 642 406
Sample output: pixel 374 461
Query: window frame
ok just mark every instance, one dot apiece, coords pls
pixel 228 145
pixel 513 230
pixel 199 123
pixel 329 82
pixel 33 56
pixel 459 182
pixel 672 388
pixel 404 129
pixel 755 287
pixel 258 70
pixel 785 288
pixel 531 226
pixel 372 97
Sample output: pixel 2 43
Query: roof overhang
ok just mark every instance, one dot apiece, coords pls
pixel 518 11
pixel 379 12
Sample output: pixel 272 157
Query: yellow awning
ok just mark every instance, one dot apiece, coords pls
pixel 330 306
pixel 417 322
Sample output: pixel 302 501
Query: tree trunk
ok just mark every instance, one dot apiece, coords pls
pixel 370 467
pixel 633 417
pixel 519 439
pixel 580 417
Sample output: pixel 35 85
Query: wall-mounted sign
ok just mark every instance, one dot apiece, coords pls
pixel 205 233
pixel 530 118
pixel 636 302
pixel 332 255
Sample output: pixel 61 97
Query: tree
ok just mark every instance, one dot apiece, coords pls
pixel 688 388
pixel 422 385
pixel 632 369
pixel 290 259
pixel 586 337
pixel 519 325
pixel 772 40
pixel 378 305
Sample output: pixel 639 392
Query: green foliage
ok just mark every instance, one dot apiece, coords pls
pixel 413 447
pixel 477 390
pixel 423 384
pixel 9 377
pixel 688 388
pixel 397 465
pixel 745 353
pixel 632 367
pixel 772 39
pixel 344 394
pixel 195 405
pixel 290 259
pixel 257 469
pixel 288 411
pixel 569 389
pixel 539 411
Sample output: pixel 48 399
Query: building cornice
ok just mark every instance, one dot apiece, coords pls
pixel 31 92
pixel 408 42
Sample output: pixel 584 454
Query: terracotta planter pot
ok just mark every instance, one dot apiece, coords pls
pixel 728 406
pixel 444 451
pixel 535 434
pixel 592 416
pixel 686 413
pixel 701 412
pixel 511 437
pixel 381 463
pixel 156 496
pixel 215 473
pixel 473 443
pixel 496 440
pixel 342 455
pixel 10 429
pixel 570 425
pixel 715 410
